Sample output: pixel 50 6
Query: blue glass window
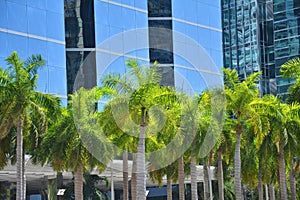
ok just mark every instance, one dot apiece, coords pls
pixel 129 2
pixel 216 40
pixel 102 33
pixel 203 14
pixel 213 3
pixel 180 27
pixel 192 32
pixel 180 61
pixel 191 11
pixel 140 4
pixel 215 17
pixel 55 26
pixel 101 12
pixel 38 4
pixel 36 21
pixel 18 1
pixel 128 16
pixel 36 46
pixel 113 30
pixel 117 66
pixel 57 80
pixel 204 37
pixel 3 42
pixel 17 43
pixel 177 10
pixel 142 53
pixel 141 19
pixel 114 15
pixel 3 15
pixel 195 79
pixel 183 82
pixel 3 62
pixel 217 57
pixel 42 81
pixel 56 54
pixel 17 16
pixel 55 6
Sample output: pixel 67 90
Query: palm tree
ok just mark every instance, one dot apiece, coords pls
pixel 140 86
pixel 285 123
pixel 190 126
pixel 122 140
pixel 75 142
pixel 18 93
pixel 181 178
pixel 291 69
pixel 239 96
pixel 169 171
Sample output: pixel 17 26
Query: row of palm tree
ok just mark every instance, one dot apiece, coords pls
pixel 252 140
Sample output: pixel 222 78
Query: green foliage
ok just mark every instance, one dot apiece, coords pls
pixel 19 99
pixel 291 69
pixel 75 138
pixel 91 189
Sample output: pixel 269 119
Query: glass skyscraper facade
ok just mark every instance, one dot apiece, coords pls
pixel 261 35
pixel 286 37
pixel 82 40
pixel 93 26
pixel 36 27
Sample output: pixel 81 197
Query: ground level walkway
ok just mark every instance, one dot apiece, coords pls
pixel 43 180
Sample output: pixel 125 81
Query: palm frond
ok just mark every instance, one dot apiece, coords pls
pixel 230 78
pixel 291 69
pixel 32 64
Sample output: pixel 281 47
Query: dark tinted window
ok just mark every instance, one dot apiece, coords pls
pixel 79 23
pixel 159 8
pixel 161 42
pixel 86 75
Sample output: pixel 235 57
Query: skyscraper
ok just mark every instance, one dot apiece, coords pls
pixel 36 27
pixel 261 35
pixel 185 37
pixel 93 26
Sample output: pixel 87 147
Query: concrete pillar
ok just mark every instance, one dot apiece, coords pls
pixel 112 186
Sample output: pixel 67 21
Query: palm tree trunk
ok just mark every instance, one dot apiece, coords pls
pixel 133 177
pixel 206 182
pixel 292 182
pixel 272 192
pixel 237 167
pixel 24 176
pixel 20 169
pixel 141 168
pixel 267 194
pixel 169 188
pixel 260 185
pixel 220 176
pixel 181 178
pixel 78 186
pixel 125 176
pixel 211 155
pixel 282 175
pixel 194 179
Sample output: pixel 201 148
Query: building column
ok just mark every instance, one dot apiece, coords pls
pixel 112 186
